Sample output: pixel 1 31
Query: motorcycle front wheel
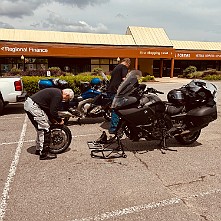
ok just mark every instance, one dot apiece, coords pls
pixel 60 138
pixel 188 138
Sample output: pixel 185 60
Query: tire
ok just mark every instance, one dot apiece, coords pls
pixel 188 138
pixel 60 138
pixel 1 106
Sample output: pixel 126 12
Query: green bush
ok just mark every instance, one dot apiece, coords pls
pixel 147 78
pixel 211 74
pixel 97 70
pixel 195 75
pixel 212 77
pixel 56 71
pixel 189 70
pixel 31 82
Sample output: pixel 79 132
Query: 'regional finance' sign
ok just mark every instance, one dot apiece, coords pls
pixel 24 49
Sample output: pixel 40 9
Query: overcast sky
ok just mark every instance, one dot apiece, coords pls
pixel 196 20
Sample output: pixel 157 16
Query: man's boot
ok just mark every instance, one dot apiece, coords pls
pixel 103 138
pixel 46 155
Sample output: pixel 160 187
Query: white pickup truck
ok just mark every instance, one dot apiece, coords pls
pixel 11 91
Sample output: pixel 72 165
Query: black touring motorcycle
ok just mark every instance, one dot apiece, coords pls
pixel 144 115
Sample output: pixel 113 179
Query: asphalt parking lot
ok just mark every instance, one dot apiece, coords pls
pixel 147 185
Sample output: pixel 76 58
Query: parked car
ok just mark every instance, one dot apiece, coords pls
pixel 11 91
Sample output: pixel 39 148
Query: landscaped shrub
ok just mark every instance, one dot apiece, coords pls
pixel 189 70
pixel 147 78
pixel 31 82
pixel 212 77
pixel 211 72
pixel 195 75
pixel 56 71
pixel 96 71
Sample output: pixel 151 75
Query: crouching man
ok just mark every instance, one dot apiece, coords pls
pixel 42 108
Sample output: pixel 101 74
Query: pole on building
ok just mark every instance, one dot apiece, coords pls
pixel 161 68
pixel 136 63
pixel 172 68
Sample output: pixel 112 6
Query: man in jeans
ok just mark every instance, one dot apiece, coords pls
pixel 117 76
pixel 42 108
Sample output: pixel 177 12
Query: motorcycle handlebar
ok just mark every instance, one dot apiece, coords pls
pixel 154 91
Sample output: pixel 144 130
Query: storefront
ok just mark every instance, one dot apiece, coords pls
pixel 160 60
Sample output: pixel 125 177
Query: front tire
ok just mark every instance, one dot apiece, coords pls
pixel 188 138
pixel 60 138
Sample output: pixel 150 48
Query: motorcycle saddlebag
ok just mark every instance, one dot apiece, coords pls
pixel 201 116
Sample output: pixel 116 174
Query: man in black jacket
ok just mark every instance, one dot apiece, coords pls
pixel 42 108
pixel 117 76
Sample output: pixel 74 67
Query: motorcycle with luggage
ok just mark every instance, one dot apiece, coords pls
pixel 143 114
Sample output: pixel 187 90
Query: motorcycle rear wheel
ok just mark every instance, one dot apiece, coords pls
pixel 60 138
pixel 188 138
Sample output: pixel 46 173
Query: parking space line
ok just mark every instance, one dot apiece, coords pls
pixel 29 141
pixel 11 118
pixel 143 207
pixel 12 170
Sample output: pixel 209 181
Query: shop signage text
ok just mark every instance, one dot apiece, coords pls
pixel 154 53
pixel 24 49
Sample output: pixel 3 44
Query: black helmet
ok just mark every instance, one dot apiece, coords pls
pixel 176 97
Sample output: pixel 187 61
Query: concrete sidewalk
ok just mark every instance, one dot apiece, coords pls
pixel 172 80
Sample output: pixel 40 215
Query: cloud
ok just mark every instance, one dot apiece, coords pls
pixel 182 20
pixel 58 23
pixel 81 3
pixel 6 25
pixel 21 8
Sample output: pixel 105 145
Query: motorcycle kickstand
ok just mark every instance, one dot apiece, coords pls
pixel 164 146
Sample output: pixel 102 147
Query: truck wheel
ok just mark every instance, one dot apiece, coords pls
pixel 1 106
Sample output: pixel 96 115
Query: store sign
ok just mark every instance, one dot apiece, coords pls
pixel 198 55
pixel 24 49
pixel 182 55
pixel 208 55
pixel 155 53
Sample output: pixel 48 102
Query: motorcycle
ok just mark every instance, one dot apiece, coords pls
pixel 144 115
pixel 93 102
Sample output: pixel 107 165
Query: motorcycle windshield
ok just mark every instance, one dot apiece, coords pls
pixel 122 97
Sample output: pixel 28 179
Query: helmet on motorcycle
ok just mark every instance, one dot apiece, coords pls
pixel 95 81
pixel 176 97
pixel 61 84
pixel 45 83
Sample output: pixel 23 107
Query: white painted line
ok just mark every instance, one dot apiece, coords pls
pixel 11 118
pixel 29 141
pixel 140 208
pixel 12 170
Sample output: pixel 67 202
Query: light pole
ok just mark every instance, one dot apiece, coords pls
pixel 23 61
